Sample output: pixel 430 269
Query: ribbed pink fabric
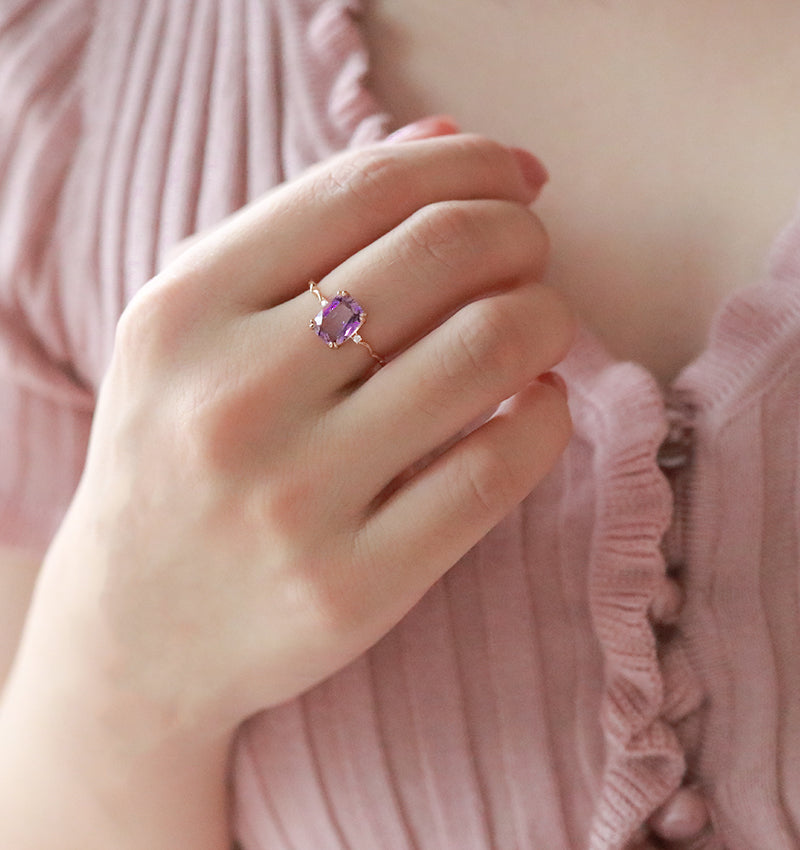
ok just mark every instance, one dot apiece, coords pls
pixel 526 703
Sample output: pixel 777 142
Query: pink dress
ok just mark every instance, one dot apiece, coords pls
pixel 550 693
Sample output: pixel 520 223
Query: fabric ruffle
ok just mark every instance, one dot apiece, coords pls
pixel 327 106
pixel 650 687
pixel 45 406
pixel 337 44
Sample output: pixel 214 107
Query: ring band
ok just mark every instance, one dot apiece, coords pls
pixel 340 319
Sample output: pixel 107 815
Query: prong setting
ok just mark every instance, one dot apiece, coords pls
pixel 340 319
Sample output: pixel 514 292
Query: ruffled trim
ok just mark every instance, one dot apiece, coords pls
pixel 652 691
pixel 42 46
pixel 755 337
pixel 327 106
pixel 648 688
pixel 337 43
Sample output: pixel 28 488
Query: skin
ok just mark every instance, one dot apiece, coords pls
pixel 670 131
pixel 220 555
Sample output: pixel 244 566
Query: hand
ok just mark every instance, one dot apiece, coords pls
pixel 247 523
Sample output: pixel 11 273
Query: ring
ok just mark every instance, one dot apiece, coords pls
pixel 340 319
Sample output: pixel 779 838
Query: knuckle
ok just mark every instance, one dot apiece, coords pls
pixel 318 574
pixel 474 356
pixel 326 593
pixel 436 388
pixel 223 413
pixel 286 502
pixel 484 344
pixel 518 240
pixel 334 609
pixel 492 160
pixel 213 433
pixel 449 232
pixel 147 327
pixel 490 239
pixel 372 177
pixel 494 482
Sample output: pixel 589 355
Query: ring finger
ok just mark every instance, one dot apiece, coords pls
pixel 412 278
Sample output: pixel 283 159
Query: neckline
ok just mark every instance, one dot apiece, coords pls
pixel 753 329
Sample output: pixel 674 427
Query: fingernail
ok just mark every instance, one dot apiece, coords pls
pixel 533 171
pixel 433 125
pixel 553 379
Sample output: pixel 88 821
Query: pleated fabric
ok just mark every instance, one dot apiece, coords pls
pixel 527 702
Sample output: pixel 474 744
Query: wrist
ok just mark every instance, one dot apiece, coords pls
pixel 87 765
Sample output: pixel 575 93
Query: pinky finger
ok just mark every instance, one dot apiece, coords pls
pixel 437 516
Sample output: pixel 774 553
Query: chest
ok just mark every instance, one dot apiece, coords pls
pixel 670 131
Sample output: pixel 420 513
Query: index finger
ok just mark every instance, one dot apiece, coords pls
pixel 305 228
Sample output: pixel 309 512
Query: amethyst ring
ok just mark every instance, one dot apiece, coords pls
pixel 340 319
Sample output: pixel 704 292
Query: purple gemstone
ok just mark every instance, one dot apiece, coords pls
pixel 338 320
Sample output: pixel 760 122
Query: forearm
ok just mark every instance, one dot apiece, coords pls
pixel 83 767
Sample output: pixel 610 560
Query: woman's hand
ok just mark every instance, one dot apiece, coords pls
pixel 247 524
pixel 257 509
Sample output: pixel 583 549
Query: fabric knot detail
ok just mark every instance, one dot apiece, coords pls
pixel 683 692
pixel 683 817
